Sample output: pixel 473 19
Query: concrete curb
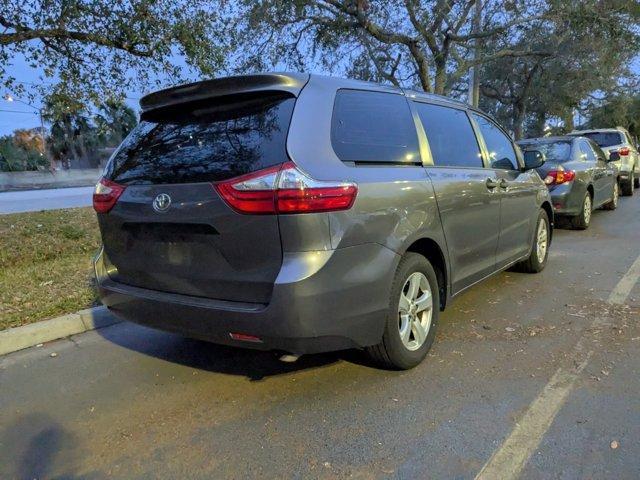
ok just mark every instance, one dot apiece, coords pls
pixel 14 339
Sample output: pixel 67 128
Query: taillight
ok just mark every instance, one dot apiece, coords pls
pixel 285 189
pixel 624 151
pixel 106 195
pixel 557 177
pixel 251 193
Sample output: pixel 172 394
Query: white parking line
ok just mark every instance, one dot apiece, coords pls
pixel 625 285
pixel 508 461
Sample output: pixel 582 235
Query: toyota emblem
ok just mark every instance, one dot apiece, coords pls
pixel 162 202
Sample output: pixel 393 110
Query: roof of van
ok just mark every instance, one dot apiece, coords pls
pixel 274 81
pixel 550 139
pixel 596 130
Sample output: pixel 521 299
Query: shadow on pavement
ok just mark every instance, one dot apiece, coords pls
pixel 253 364
pixel 36 446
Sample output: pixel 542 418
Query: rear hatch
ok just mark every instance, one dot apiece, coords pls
pixel 607 141
pixel 558 156
pixel 170 230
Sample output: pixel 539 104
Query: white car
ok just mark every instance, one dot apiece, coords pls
pixel 617 141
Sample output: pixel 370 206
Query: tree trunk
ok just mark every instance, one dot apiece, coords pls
pixel 440 83
pixel 519 112
pixel 541 118
pixel 567 118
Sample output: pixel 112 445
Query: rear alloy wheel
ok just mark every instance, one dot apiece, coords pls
pixel 540 249
pixel 627 187
pixel 613 204
pixel 412 316
pixel 583 219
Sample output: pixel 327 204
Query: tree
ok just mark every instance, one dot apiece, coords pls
pixel 621 110
pixel 102 47
pixel 22 151
pixel 114 120
pixel 422 43
pixel 591 44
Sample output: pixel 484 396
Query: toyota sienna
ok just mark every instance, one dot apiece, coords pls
pixel 303 214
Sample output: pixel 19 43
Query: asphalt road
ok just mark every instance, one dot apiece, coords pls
pixel 50 199
pixel 531 376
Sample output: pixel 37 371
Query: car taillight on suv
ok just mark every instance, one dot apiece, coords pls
pixel 624 151
pixel 285 189
pixel 106 195
pixel 558 177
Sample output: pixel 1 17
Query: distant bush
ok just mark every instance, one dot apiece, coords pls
pixel 16 156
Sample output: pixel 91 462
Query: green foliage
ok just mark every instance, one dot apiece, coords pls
pixel 621 110
pixel 14 157
pixel 98 48
pixel 78 137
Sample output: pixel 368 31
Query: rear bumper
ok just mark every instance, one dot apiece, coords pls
pixel 566 200
pixel 321 301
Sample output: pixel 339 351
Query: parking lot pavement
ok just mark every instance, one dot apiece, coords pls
pixel 49 199
pixel 531 376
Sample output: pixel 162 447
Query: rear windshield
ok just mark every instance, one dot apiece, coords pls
pixel 605 139
pixel 559 152
pixel 205 142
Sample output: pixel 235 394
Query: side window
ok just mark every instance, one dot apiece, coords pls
pixel 501 152
pixel 451 138
pixel 373 127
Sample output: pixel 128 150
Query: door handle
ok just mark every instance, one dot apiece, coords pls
pixel 491 183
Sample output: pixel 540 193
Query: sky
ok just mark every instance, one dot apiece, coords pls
pixel 14 115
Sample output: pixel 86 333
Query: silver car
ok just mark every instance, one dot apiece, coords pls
pixel 619 147
pixel 303 213
pixel 579 176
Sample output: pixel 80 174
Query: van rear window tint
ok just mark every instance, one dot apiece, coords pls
pixel 205 142
pixel 605 139
pixel 373 127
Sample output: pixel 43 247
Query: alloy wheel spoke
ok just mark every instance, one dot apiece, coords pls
pixel 424 302
pixel 405 328
pixel 414 285
pixel 419 332
pixel 404 303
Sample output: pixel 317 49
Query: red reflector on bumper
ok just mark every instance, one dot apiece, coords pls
pixel 243 337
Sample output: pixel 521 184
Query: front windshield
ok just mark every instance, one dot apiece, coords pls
pixel 558 152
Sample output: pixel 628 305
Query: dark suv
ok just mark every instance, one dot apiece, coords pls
pixel 304 213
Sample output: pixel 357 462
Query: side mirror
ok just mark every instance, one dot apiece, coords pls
pixel 533 159
pixel 614 156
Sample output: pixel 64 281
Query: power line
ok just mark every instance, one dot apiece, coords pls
pixel 36 84
pixel 18 111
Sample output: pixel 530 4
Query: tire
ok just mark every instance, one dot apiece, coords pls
pixel 583 219
pixel 392 352
pixel 538 258
pixel 636 182
pixel 613 204
pixel 627 187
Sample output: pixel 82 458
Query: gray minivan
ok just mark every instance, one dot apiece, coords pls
pixel 304 213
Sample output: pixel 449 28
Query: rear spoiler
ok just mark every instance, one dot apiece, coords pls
pixel 282 82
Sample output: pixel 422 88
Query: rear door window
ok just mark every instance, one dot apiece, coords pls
pixel 373 127
pixel 450 135
pixel 605 139
pixel 502 155
pixel 204 142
